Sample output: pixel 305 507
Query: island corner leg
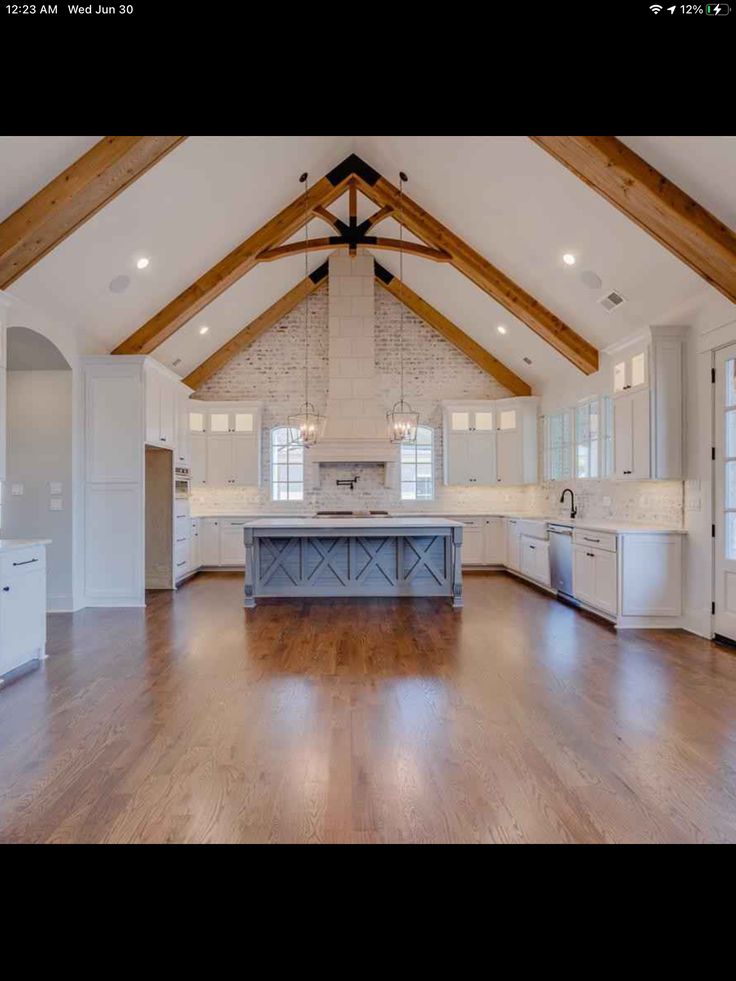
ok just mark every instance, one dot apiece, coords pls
pixel 457 568
pixel 249 600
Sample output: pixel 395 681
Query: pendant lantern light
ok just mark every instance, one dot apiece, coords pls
pixel 402 420
pixel 306 426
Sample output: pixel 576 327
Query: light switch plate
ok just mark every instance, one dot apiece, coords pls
pixel 56 504
pixel 55 488
pixel 16 490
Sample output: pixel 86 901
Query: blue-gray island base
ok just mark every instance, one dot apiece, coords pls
pixel 300 557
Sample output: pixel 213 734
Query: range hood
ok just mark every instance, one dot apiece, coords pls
pixel 356 416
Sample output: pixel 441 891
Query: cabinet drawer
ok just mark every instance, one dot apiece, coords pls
pixel 181 529
pixel 181 559
pixel 23 560
pixel 594 539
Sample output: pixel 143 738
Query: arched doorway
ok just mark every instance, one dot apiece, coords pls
pixel 37 496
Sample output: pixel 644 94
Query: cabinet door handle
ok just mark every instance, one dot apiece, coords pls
pixel 595 540
pixel 180 540
pixel 626 472
pixel 27 562
pixel 163 439
pixel 533 547
pixel 590 555
pixel 626 388
pixel 180 564
pixel 6 589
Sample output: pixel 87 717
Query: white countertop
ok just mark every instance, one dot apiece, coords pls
pixel 588 524
pixel 11 544
pixel 378 522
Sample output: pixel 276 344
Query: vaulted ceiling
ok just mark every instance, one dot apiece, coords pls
pixel 505 196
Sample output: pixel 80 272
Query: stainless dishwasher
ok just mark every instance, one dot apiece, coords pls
pixel 560 560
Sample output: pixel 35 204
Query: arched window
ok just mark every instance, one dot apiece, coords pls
pixel 287 465
pixel 417 467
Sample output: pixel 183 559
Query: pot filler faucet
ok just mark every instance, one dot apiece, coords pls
pixel 573 509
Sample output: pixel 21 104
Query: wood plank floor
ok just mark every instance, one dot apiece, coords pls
pixel 516 719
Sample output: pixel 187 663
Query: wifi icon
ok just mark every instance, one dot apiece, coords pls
pixel 655 8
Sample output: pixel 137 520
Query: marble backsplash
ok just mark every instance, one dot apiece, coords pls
pixel 656 502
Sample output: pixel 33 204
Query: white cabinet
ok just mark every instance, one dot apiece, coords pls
pixel 4 313
pixel 198 458
pixel 631 431
pixel 220 543
pixel 473 550
pixel 183 442
pixel 232 544
pixel 163 391
pixel 491 442
pixel 471 458
pixel 195 560
pixel 225 443
pixel 651 575
pixel 595 577
pixel 495 541
pixel 22 606
pixel 513 544
pixel 534 559
pixel 630 370
pixel 209 544
pixel 648 406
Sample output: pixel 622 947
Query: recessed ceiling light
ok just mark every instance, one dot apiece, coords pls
pixel 501 329
pixel 142 263
pixel 203 329
pixel 569 259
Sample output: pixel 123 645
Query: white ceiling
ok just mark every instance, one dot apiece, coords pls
pixel 504 195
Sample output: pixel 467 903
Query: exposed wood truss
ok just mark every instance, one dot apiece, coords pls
pixel 345 242
pixel 230 269
pixel 657 205
pixel 479 270
pixel 452 333
pixel 75 195
pixel 257 327
pixel 441 244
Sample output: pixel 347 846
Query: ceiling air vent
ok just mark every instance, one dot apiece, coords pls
pixel 527 360
pixel 611 301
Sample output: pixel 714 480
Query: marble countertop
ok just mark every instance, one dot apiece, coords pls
pixel 587 524
pixel 11 544
pixel 381 521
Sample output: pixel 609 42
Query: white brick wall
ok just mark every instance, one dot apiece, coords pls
pixel 272 370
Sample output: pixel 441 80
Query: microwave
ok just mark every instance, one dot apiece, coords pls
pixel 182 479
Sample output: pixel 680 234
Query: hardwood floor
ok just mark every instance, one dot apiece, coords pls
pixel 516 719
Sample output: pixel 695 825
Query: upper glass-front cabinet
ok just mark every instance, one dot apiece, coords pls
pixel 470 421
pixel 630 373
pixel 215 421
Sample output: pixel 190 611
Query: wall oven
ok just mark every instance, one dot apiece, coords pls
pixel 182 479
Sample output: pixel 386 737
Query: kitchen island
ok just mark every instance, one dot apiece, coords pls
pixel 353 557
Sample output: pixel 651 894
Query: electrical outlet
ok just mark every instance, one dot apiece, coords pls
pixel 55 488
pixel 16 490
pixel 56 504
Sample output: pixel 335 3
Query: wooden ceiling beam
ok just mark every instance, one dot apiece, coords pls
pixel 327 216
pixel 377 216
pixel 370 242
pixel 75 195
pixel 232 267
pixel 480 271
pixel 451 332
pixel 256 328
pixel 657 205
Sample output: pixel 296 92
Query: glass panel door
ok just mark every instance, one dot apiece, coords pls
pixel 724 620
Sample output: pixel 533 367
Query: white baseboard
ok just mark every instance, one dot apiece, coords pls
pixel 699 622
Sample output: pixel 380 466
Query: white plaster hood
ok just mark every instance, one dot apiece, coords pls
pixel 356 418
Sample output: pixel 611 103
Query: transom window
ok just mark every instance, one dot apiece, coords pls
pixel 417 467
pixel 287 465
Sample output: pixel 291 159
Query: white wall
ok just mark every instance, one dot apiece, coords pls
pixel 39 451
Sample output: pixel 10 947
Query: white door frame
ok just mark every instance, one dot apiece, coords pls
pixel 724 568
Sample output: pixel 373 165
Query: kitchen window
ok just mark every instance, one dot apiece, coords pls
pixel 558 445
pixel 417 467
pixel 287 465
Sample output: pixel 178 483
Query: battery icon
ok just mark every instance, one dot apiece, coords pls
pixel 717 9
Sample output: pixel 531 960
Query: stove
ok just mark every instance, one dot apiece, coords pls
pixel 351 514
